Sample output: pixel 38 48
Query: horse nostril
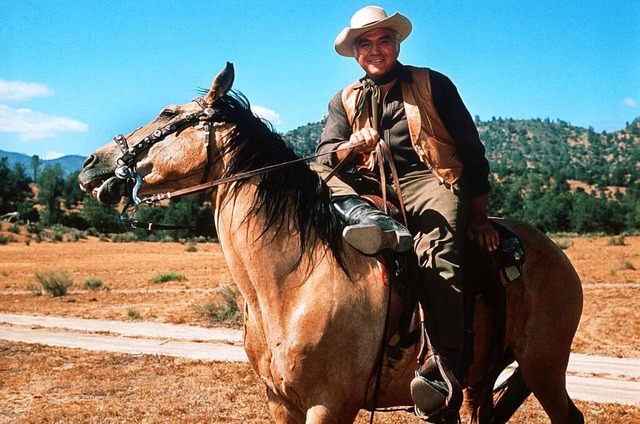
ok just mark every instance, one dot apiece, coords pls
pixel 89 161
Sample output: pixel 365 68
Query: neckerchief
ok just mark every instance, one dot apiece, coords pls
pixel 371 92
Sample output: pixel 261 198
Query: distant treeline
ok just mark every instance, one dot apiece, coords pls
pixel 551 174
pixel 556 176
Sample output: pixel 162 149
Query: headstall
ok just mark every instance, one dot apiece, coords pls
pixel 126 169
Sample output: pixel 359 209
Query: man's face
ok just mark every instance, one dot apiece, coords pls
pixel 377 51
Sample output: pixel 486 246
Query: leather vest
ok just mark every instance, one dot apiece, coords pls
pixel 430 138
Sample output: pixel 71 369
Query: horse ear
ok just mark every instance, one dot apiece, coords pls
pixel 221 84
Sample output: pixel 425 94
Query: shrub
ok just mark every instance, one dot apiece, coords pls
pixel 34 228
pixel 627 265
pixel 132 314
pixel 192 248
pixel 564 244
pixel 14 228
pixel 91 231
pixel 4 239
pixel 617 241
pixel 167 276
pixel 127 237
pixel 92 283
pixel 224 309
pixel 34 289
pixel 55 283
pixel 74 220
pixel 56 236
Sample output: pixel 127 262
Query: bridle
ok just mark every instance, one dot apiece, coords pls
pixel 127 171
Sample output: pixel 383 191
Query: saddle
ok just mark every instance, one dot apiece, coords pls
pixel 486 275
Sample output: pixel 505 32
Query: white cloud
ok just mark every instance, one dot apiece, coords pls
pixel 15 91
pixel 630 102
pixel 31 125
pixel 52 155
pixel 268 114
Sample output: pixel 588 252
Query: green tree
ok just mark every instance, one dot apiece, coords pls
pixel 50 185
pixel 71 191
pixel 35 166
pixel 15 187
pixel 104 219
pixel 5 189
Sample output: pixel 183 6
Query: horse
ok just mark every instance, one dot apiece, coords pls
pixel 319 315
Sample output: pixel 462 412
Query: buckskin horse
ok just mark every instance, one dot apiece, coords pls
pixel 315 309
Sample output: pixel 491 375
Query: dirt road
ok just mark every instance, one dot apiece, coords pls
pixel 591 378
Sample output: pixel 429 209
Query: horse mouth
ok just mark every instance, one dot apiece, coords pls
pixel 108 190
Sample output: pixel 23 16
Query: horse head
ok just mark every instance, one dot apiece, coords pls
pixel 171 152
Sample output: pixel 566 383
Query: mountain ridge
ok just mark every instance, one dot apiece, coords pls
pixel 513 146
pixel 68 163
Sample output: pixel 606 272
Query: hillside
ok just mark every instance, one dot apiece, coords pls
pixel 513 147
pixel 556 176
pixel 565 152
pixel 544 147
pixel 69 163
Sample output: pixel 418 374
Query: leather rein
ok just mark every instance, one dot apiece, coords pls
pixel 126 169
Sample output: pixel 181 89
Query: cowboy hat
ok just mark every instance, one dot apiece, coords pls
pixel 366 19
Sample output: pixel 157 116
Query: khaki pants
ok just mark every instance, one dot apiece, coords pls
pixel 437 218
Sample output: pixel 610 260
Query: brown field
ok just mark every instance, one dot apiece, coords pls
pixel 47 384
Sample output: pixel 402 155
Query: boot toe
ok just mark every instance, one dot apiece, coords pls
pixel 368 239
pixel 428 396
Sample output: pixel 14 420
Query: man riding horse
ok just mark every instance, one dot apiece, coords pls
pixel 442 172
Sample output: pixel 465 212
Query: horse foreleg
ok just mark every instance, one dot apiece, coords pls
pixel 320 414
pixel 281 410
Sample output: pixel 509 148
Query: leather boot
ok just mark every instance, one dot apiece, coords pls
pixel 436 398
pixel 370 230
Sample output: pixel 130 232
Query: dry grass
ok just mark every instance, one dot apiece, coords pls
pixel 58 385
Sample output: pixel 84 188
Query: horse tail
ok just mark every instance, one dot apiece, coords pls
pixel 509 395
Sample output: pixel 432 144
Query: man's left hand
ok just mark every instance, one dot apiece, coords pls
pixel 481 230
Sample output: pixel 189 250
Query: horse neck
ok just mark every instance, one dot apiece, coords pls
pixel 261 264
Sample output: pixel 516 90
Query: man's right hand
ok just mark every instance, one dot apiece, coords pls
pixel 362 141
pixel 366 139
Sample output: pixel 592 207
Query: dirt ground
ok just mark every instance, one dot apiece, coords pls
pixel 42 384
pixel 46 384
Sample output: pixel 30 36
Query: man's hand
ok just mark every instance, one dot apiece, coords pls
pixel 480 228
pixel 362 141
pixel 366 139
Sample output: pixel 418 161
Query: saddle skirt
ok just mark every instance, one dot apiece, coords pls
pixel 485 277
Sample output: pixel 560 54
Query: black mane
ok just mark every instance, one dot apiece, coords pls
pixel 296 188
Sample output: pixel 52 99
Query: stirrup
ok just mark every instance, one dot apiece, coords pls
pixel 429 396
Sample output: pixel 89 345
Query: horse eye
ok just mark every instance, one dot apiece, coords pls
pixel 167 113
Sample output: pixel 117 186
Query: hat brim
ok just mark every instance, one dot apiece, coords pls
pixel 397 22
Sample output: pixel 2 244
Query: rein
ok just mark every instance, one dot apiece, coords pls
pixel 126 169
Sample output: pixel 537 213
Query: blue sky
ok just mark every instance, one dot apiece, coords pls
pixel 74 73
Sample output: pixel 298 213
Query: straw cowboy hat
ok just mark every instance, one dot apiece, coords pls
pixel 366 19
